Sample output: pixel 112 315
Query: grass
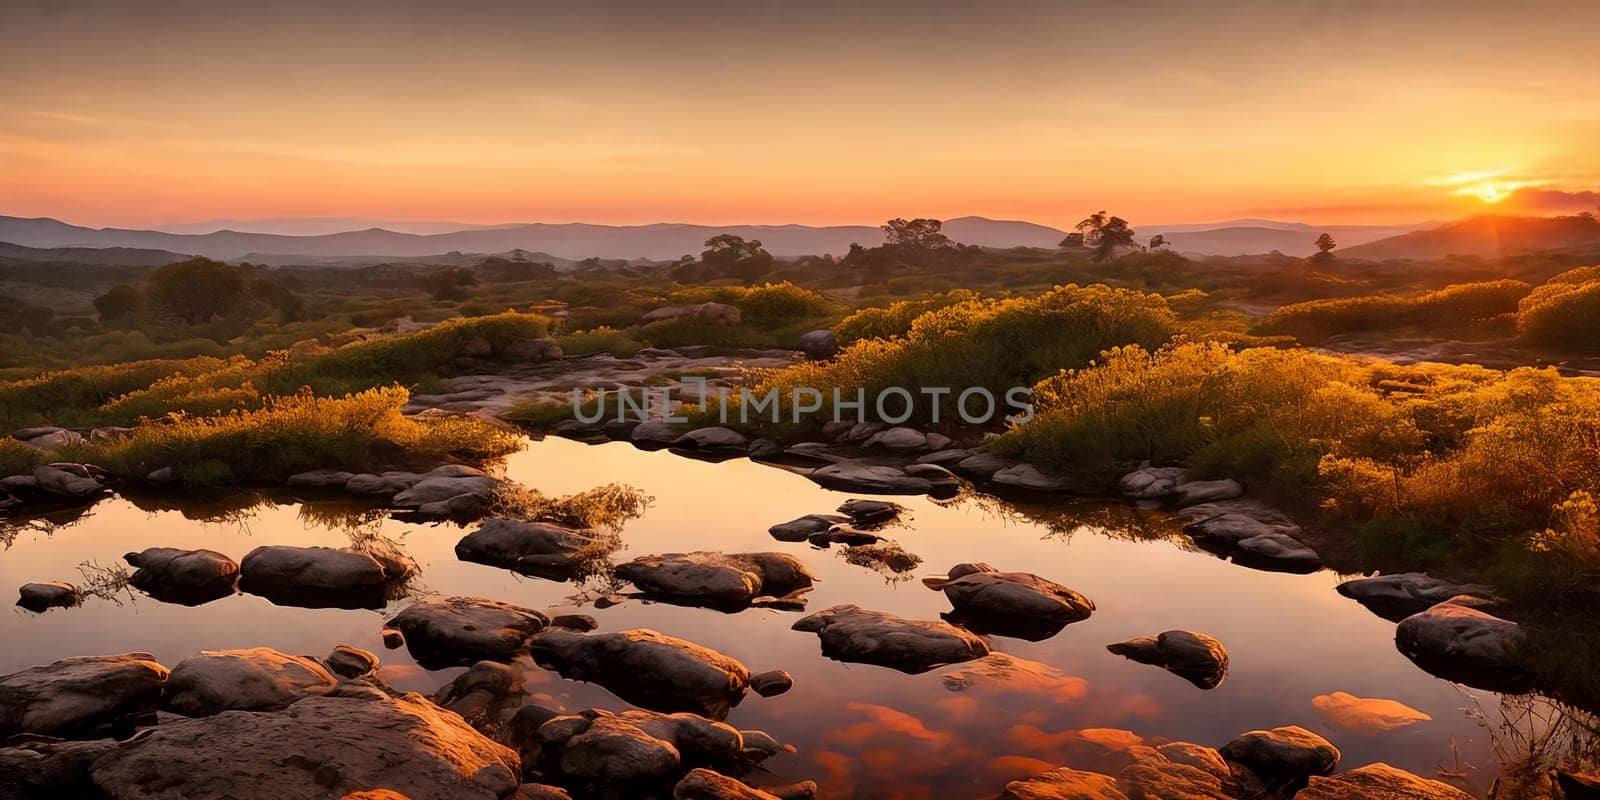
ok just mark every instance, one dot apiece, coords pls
pixel 1564 313
pixel 17 458
pixel 599 340
pixel 887 322
pixel 1317 321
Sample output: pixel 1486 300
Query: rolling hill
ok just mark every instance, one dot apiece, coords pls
pixel 1484 236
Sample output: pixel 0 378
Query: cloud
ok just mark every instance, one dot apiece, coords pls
pixel 1555 200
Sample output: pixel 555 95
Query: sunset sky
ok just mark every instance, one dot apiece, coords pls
pixel 136 114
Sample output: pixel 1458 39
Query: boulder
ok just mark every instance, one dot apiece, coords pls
pixel 717 580
pixel 482 693
pixel 318 747
pixel 80 695
pixel 55 439
pixel 189 577
pixel 1464 645
pixel 531 351
pixel 67 480
pixel 981 465
pixel 163 475
pixel 771 683
pixel 764 450
pixel 856 476
pixel 1195 657
pixel 24 434
pixel 714 313
pixel 441 488
pixel 460 631
pixel 851 633
pixel 900 440
pixel 1193 493
pixel 536 548
pixel 818 344
pixel 1278 552
pixel 647 669
pixel 1030 478
pixel 637 745
pixel 1378 782
pixel 870 512
pixel 351 662
pixel 1395 597
pixel 39 597
pixel 797 530
pixel 654 433
pixel 703 784
pixel 316 577
pixel 712 438
pixel 257 679
pixel 1013 603
pixel 1064 783
pixel 384 485
pixel 947 458
pixel 320 479
pixel 1282 758
pixel 938 441
pixel 1152 483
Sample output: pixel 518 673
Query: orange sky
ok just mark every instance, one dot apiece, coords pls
pixel 132 114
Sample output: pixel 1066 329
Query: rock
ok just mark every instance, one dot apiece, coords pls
pixel 870 512
pixel 714 313
pixel 1395 597
pixel 163 475
pixel 315 577
pixel 536 548
pixel 796 530
pixel 818 344
pixel 319 747
pixel 1276 551
pixel 56 439
pixel 1151 483
pixel 764 450
pixel 862 431
pixel 900 440
pixel 703 784
pixel 67 480
pixel 257 679
pixel 188 577
pixel 441 488
pixel 636 745
pixel 1196 492
pixel 385 485
pixel 1031 478
pixel 481 693
pixel 618 430
pixel 1064 783
pixel 1013 603
pixel 1378 782
pixel 460 631
pixel 40 597
pixel 319 479
pixel 575 622
pixel 351 662
pixel 844 534
pixel 531 351
pixel 1195 657
pixel 856 476
pixel 931 472
pixel 79 695
pixel 1283 758
pixel 851 633
pixel 1365 715
pixel 1464 645
pixel 647 669
pixel 886 557
pixel 1180 770
pixel 539 791
pixel 712 438
pixel 24 434
pixel 717 580
pixel 771 683
pixel 982 465
pixel 938 441
pixel 476 347
pixel 109 433
pixel 944 457
pixel 655 433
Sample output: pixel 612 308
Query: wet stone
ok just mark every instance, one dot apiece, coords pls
pixel 1195 657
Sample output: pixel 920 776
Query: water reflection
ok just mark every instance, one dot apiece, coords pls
pixel 860 731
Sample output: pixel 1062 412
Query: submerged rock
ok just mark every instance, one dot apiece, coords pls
pixel 1395 597
pixel 318 577
pixel 1283 758
pixel 79 695
pixel 1465 645
pixel 482 693
pixel 460 631
pixel 871 512
pixel 189 577
pixel 257 679
pixel 1195 657
pixel 647 669
pixel 536 548
pixel 1012 603
pixel 1378 782
pixel 40 597
pixel 718 580
pixel 797 530
pixel 851 633
pixel 1176 770
pixel 856 476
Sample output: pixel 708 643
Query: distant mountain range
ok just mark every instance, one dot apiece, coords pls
pixel 102 256
pixel 563 244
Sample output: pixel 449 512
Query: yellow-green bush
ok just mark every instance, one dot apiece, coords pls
pixel 17 458
pixel 1565 312
pixel 884 322
pixel 599 340
pixel 994 344
pixel 69 397
pixel 296 433
pixel 1317 320
pixel 770 305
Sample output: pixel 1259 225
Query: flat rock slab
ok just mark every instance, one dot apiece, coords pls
pixel 1195 657
pixel 716 580
pixel 461 631
pixel 1395 597
pixel 1465 645
pixel 798 530
pixel 851 633
pixel 257 679
pixel 855 476
pixel 1378 782
pixel 316 577
pixel 79 695
pixel 648 669
pixel 871 512
pixel 187 577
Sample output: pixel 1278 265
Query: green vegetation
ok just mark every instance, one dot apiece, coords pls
pixel 887 322
pixel 1564 313
pixel 1317 321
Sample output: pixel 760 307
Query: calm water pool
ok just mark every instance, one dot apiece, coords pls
pixel 860 731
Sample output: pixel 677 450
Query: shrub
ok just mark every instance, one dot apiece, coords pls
pixel 69 397
pixel 1318 320
pixel 1564 313
pixel 17 458
pixel 770 305
pixel 994 344
pixel 599 340
pixel 885 322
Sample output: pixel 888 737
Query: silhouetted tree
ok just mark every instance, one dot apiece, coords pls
pixel 449 284
pixel 1158 242
pixel 921 235
pixel 1104 234
pixel 197 291
pixel 1074 241
pixel 734 257
pixel 1325 243
pixel 118 304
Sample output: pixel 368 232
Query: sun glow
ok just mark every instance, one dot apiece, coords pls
pixel 1487 192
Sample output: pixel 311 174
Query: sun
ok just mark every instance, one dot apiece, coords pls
pixel 1490 193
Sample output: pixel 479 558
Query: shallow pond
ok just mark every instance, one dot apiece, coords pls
pixel 859 731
